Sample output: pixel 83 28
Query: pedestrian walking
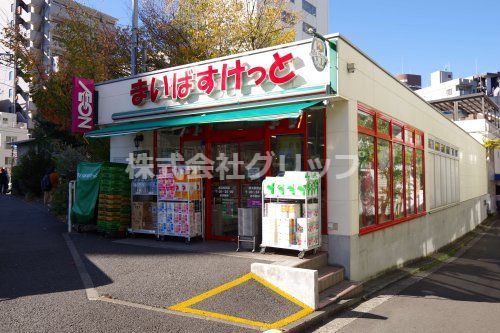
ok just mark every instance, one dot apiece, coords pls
pixel 49 183
pixel 4 181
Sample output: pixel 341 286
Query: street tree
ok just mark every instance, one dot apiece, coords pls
pixel 177 32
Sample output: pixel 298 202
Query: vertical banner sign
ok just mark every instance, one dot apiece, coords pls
pixel 82 105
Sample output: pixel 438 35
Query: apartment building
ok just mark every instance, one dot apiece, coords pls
pixel 36 21
pixel 473 103
pixel 10 131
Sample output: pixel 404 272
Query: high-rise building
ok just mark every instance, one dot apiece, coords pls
pixel 36 21
pixel 313 14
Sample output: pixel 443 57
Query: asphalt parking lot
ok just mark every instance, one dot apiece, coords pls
pixel 41 289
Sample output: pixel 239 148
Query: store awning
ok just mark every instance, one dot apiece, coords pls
pixel 256 114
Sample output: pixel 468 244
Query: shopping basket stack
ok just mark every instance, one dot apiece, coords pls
pixel 113 215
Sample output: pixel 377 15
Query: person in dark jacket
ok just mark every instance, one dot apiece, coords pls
pixel 4 181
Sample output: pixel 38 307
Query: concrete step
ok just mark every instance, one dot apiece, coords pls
pixel 312 261
pixel 328 276
pixel 343 290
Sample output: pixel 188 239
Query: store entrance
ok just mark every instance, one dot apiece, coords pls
pixel 238 174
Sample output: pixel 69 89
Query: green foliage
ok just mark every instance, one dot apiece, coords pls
pixel 66 162
pixel 28 173
pixel 178 32
pixel 492 144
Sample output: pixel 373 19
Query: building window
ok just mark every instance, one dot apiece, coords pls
pixel 444 182
pixel 11 75
pixel 5 121
pixel 9 139
pixel 306 27
pixel 10 93
pixel 308 7
pixel 390 171
pixel 366 173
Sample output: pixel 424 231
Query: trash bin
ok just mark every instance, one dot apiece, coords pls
pixel 249 225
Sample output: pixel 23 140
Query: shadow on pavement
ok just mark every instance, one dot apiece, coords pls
pixel 34 258
pixel 474 277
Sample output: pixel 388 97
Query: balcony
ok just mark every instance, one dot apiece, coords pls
pixel 34 3
pixel 31 18
pixel 22 84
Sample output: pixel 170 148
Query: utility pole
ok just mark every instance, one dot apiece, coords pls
pixel 135 41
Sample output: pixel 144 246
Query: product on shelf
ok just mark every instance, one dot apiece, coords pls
pixel 291 211
pixel 179 203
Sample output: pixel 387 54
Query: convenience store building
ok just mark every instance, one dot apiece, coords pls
pixel 400 180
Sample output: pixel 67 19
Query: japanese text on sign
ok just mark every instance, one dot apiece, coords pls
pixel 178 86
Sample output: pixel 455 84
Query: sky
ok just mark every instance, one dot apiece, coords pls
pixel 416 37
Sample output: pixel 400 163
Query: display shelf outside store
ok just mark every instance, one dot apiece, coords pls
pixel 180 204
pixel 291 212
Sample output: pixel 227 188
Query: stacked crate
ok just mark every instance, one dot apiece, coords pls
pixel 113 215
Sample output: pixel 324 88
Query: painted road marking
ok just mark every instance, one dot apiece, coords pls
pixel 91 292
pixel 186 305
pixel 183 308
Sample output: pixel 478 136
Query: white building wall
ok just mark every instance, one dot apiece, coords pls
pixel 9 127
pixel 123 145
pixel 370 254
pixel 6 84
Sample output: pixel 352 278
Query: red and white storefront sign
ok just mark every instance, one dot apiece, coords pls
pixel 277 72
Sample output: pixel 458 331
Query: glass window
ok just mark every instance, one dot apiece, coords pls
pixel 429 164
pixel 431 144
pixel 397 160
pixel 308 7
pixel 11 75
pixel 384 181
pixel 10 92
pixel 443 178
pixel 408 136
pixel 397 132
pixel 382 126
pixel 288 153
pixel 437 146
pixel 448 150
pixel 418 139
pixel 316 139
pixel 410 187
pixel 366 180
pixel 365 119
pixel 437 180
pixel 420 180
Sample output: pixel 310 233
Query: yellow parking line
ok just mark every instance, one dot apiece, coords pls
pixel 186 305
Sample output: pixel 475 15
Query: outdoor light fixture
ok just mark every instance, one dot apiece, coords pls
pixel 138 139
pixel 351 67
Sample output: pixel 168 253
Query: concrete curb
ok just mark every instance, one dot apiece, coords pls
pixel 323 315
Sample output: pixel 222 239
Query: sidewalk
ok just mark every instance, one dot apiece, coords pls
pixel 457 290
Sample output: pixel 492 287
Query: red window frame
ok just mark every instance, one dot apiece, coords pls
pixel 405 144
